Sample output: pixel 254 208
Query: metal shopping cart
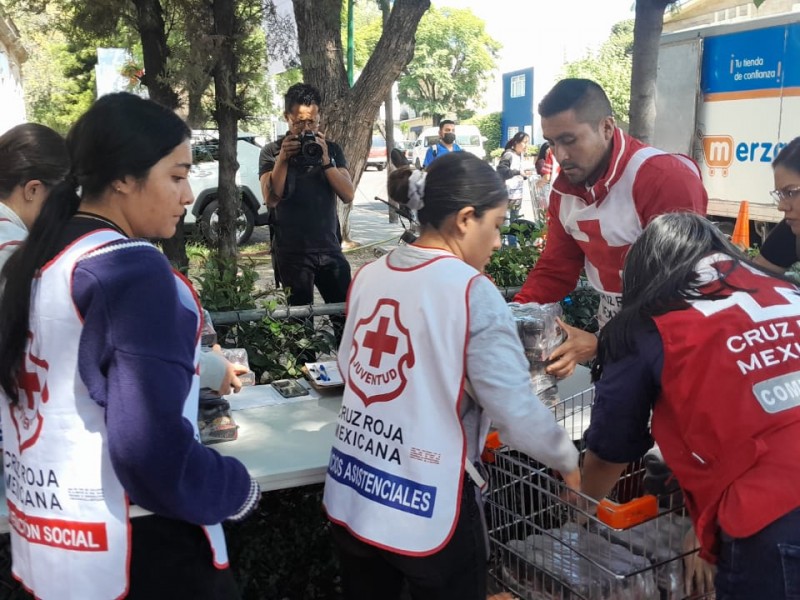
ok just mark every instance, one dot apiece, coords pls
pixel 544 547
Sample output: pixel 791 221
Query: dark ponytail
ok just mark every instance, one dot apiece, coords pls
pixel 18 274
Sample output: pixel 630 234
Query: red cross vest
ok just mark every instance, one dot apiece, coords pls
pixel 606 229
pixel 397 463
pixel 69 515
pixel 728 417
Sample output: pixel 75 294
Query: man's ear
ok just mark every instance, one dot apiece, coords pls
pixel 608 125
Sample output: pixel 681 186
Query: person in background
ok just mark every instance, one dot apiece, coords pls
pixel 511 170
pixel 98 369
pixel 445 145
pixel 306 247
pixel 609 187
pixel 781 249
pixel 699 359
pixel 33 158
pixel 430 355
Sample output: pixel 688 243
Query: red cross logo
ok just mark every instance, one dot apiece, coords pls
pixel 32 382
pixel 381 355
pixel 380 343
pixel 608 260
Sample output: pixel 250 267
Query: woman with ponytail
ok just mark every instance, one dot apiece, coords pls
pixel 430 354
pixel 110 494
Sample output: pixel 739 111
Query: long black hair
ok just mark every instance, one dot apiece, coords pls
pixel 515 139
pixel 31 152
pixel 454 181
pixel 120 135
pixel 660 276
pixel 789 156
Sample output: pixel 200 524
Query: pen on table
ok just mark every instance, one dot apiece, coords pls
pixel 323 373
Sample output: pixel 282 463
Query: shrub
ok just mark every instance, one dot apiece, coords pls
pixel 277 347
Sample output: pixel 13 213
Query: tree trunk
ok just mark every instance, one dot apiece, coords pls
pixel 150 23
pixel 227 115
pixel 348 114
pixel 647 29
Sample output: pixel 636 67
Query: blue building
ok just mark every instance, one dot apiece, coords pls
pixel 517 103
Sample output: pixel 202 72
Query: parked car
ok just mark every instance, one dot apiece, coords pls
pixel 377 153
pixel 204 180
pixel 467 136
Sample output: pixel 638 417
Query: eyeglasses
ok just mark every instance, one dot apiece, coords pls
pixel 785 194
pixel 305 124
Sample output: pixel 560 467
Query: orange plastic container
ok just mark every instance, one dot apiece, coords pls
pixel 492 443
pixel 623 516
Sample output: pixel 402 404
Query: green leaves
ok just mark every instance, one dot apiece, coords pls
pixel 453 57
pixel 610 66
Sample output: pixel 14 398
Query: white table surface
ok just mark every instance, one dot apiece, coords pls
pixel 288 444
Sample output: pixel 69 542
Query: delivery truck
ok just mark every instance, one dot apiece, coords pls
pixel 728 95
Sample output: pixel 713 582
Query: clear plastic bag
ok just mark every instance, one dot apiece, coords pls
pixel 658 540
pixel 540 334
pixel 572 554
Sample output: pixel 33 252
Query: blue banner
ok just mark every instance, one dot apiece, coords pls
pixel 745 61
pixel 382 487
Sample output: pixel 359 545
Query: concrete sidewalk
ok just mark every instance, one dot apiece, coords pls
pixel 369 223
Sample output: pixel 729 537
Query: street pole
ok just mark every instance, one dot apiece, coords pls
pixel 351 44
pixel 388 106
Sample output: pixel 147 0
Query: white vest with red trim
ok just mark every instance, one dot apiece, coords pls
pixel 68 513
pixel 605 231
pixel 728 417
pixel 396 468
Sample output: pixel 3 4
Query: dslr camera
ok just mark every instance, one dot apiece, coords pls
pixel 310 154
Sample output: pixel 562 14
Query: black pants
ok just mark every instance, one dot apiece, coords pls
pixel 457 572
pixel 172 560
pixel 328 271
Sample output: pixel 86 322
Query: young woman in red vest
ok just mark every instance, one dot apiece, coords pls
pixel 707 345
pixel 430 355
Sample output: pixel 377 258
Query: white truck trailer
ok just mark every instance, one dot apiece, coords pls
pixel 729 96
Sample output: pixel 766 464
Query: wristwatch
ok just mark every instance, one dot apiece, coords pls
pixel 330 165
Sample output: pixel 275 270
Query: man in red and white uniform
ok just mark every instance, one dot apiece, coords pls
pixel 609 188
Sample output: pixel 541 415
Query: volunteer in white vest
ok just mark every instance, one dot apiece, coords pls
pixel 430 354
pixel 98 370
pixel 511 170
pixel 33 158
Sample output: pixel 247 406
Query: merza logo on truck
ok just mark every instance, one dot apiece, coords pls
pixel 720 150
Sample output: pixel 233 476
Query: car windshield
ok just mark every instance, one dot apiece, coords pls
pixel 378 142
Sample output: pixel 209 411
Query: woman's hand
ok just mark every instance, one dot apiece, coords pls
pixel 579 347
pixel 230 380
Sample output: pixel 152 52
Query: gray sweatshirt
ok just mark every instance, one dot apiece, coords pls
pixel 498 371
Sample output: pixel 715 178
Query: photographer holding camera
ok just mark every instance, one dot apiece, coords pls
pixel 301 175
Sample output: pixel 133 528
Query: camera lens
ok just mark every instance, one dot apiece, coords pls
pixel 311 149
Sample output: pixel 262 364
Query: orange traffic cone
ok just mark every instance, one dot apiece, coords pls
pixel 741 231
